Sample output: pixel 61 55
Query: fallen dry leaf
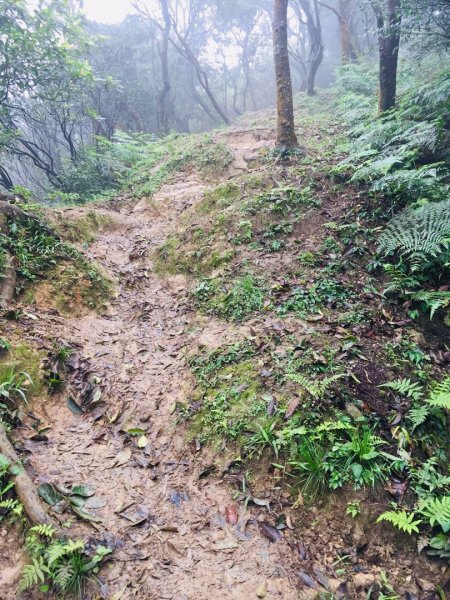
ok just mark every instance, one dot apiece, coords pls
pixel 123 457
pixel 231 514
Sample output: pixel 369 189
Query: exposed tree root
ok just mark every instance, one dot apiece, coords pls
pixel 8 281
pixel 25 489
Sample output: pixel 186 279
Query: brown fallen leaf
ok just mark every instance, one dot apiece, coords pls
pixel 292 407
pixel 231 514
pixel 307 579
pixel 172 547
pixel 270 531
pixel 396 487
pixel 122 458
pixel 225 545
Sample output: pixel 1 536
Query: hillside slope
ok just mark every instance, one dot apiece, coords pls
pixel 241 317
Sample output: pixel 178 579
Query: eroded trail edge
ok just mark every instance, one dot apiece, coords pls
pixel 165 522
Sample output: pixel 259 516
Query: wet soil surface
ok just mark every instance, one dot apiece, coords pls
pixel 176 534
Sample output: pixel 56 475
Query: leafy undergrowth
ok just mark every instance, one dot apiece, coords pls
pixel 46 265
pixel 56 563
pixel 141 163
pixel 335 386
pixel 83 229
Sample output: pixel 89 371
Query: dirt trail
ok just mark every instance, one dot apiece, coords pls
pixel 185 549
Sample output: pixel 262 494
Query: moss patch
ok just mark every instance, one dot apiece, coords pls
pixel 231 404
pixel 84 229
pixel 26 359
pixel 80 284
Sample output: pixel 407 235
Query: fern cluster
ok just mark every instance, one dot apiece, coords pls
pixel 62 565
pixel 400 155
pixel 435 401
pixel 420 236
pixel 405 387
pixel 435 513
pixel 419 241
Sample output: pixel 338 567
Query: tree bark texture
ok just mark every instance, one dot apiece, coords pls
pixel 165 88
pixel 316 45
pixel 389 31
pixel 286 137
pixel 25 489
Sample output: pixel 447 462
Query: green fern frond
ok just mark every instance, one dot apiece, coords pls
pixel 73 546
pixel 401 520
pixel 434 300
pixel 405 387
pixel 376 168
pixel 317 388
pixel 418 235
pixel 33 574
pixel 44 530
pixel 436 510
pixel 440 396
pixel 64 576
pixel 9 504
pixel 54 553
pixel 418 416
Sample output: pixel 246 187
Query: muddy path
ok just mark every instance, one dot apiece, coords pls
pixel 165 522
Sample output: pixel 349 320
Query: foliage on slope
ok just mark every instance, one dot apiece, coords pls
pixel 333 384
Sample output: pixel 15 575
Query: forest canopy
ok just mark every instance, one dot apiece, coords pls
pixel 69 87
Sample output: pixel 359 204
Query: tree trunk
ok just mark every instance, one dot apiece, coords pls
pixel 246 70
pixel 345 42
pixel 5 179
pixel 389 24
pixel 185 50
pixel 163 121
pixel 316 46
pixel 314 64
pixel 344 29
pixel 286 137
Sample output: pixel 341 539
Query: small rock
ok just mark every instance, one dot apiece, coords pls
pixel 358 535
pixel 333 585
pixel 425 586
pixel 362 581
pixel 417 336
pixel 353 411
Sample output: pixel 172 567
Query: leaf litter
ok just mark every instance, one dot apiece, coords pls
pixel 130 359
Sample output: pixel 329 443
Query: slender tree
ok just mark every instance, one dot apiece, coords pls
pixel 343 11
pixel 163 124
pixel 286 137
pixel 388 16
pixel 316 47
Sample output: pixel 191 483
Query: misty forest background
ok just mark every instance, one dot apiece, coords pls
pixel 80 99
pixel 328 240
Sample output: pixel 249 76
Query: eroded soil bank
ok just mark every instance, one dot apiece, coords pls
pixel 165 505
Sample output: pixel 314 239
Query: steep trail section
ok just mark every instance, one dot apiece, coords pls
pixel 166 524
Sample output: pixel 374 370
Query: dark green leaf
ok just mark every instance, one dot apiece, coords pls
pixel 74 407
pixel 49 494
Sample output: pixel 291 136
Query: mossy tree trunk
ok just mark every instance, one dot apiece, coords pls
pixel 286 137
pixel 388 15
pixel 163 95
pixel 316 52
pixel 344 16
